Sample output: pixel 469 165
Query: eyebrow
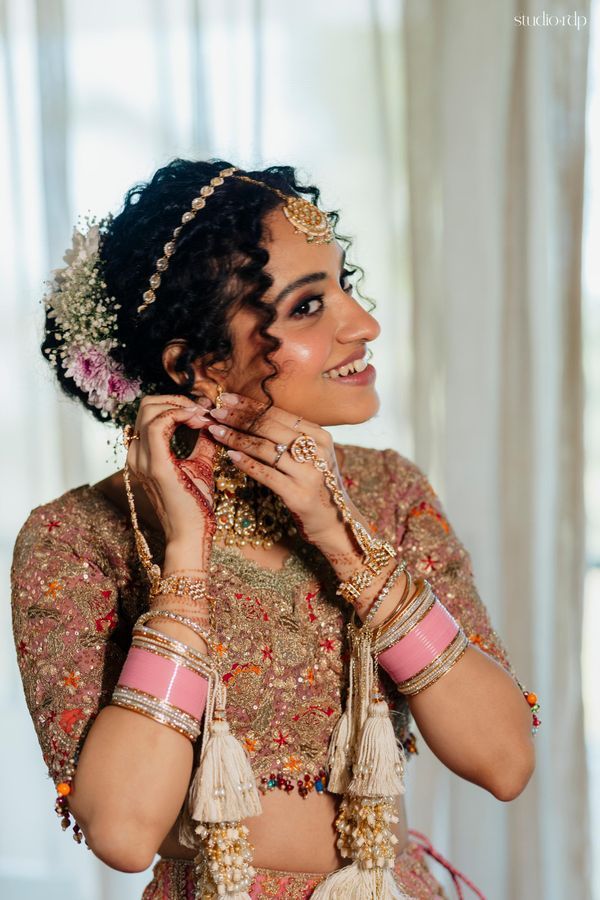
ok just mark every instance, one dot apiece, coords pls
pixel 303 280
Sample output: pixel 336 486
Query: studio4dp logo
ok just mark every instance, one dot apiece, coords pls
pixel 545 20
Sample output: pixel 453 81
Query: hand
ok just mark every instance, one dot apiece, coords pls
pixel 180 490
pixel 252 431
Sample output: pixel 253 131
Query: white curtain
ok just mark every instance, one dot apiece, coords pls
pixel 452 141
pixel 496 136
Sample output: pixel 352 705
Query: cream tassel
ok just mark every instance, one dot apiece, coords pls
pixel 378 760
pixel 379 768
pixel 338 756
pixel 357 883
pixel 224 787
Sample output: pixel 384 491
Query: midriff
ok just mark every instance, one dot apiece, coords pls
pixel 293 833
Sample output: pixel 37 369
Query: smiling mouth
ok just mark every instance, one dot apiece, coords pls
pixel 358 365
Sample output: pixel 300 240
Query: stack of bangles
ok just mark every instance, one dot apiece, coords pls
pixel 163 678
pixel 419 641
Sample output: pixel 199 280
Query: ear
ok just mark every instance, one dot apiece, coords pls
pixel 206 378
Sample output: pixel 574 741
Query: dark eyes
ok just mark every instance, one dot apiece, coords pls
pixel 313 305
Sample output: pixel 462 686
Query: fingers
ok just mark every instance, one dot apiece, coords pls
pixel 254 411
pixel 260 449
pixel 157 420
pixel 237 427
pixel 265 427
pixel 265 474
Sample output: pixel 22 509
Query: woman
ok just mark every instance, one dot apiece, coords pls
pixel 214 317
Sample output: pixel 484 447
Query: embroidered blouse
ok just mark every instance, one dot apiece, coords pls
pixel 78 588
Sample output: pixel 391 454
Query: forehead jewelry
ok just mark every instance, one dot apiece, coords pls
pixel 306 218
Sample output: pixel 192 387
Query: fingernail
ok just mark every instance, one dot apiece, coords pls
pixel 217 429
pixel 230 398
pixel 219 413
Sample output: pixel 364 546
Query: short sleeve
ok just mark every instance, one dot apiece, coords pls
pixel 432 550
pixel 70 646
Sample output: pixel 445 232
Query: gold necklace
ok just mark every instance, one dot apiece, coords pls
pixel 246 512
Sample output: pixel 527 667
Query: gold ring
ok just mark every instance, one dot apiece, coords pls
pixel 129 435
pixel 304 449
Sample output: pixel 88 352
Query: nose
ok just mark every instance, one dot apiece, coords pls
pixel 355 323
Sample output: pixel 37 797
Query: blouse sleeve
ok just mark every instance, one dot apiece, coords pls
pixel 70 646
pixel 432 550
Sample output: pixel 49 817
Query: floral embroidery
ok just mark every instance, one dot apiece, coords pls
pixel 428 563
pixel 72 679
pixel 69 718
pixel 53 589
pixel 251 745
pixel 110 619
pixel 312 617
pixel 282 638
pixel 426 509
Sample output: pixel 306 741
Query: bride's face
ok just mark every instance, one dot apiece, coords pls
pixel 321 327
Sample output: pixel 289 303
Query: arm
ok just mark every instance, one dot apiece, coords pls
pixel 475 718
pixel 71 646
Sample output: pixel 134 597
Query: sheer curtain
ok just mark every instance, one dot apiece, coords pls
pixel 496 137
pixel 417 131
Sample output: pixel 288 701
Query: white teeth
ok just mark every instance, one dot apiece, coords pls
pixel 359 365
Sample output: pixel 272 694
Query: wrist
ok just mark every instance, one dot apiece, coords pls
pixel 186 553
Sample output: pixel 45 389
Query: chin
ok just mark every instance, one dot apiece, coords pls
pixel 354 414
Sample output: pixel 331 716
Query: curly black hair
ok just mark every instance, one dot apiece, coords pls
pixel 219 263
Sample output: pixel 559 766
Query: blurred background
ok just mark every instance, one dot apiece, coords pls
pixel 461 141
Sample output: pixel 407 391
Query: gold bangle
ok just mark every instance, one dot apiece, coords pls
pixel 434 671
pixel 180 586
pixel 351 589
pixel 390 582
pixel 405 617
pixel 155 708
pixel 175 617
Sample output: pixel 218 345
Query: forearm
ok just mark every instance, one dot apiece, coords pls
pixel 477 722
pixel 125 752
pixel 474 718
pixel 129 786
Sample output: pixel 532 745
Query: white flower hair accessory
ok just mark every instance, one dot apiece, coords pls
pixel 85 321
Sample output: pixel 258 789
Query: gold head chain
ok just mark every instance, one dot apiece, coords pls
pixel 306 218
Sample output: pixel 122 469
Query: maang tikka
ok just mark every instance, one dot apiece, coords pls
pixel 305 217
pixel 246 512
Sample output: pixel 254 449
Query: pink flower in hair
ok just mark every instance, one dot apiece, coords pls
pixel 122 389
pixel 96 373
pixel 89 368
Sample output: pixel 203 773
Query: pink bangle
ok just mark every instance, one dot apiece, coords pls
pixel 165 680
pixel 421 646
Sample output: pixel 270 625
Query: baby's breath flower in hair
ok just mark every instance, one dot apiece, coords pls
pixel 85 326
